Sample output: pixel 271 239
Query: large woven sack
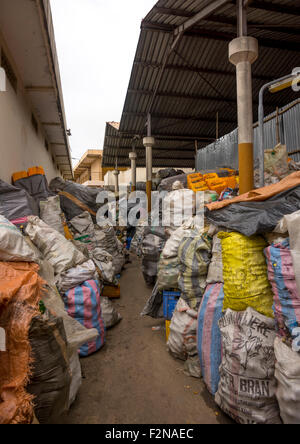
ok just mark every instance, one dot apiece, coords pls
pixel 209 336
pixel 61 253
pixel 247 384
pixel 286 297
pixel 75 276
pixel 195 255
pixel 215 270
pixel 13 247
pixel 182 341
pixel 83 303
pixel 109 313
pixel 20 291
pixel 287 374
pixel 51 377
pixel 245 274
pixel 51 212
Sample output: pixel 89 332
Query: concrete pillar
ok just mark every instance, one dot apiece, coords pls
pixel 133 157
pixel 243 51
pixel 148 144
pixel 116 173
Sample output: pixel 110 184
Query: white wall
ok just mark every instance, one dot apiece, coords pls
pixel 20 146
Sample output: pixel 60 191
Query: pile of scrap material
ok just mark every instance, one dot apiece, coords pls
pixel 229 290
pixel 55 262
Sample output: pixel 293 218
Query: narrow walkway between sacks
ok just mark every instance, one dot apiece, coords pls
pixel 134 380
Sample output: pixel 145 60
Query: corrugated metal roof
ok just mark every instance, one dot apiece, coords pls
pixel 197 80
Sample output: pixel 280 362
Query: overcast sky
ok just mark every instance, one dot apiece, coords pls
pixel 96 42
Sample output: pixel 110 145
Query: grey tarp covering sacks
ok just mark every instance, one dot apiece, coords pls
pixel 51 213
pixel 13 246
pixel 86 195
pixel 16 203
pixel 61 253
pixel 182 343
pixel 287 374
pixel 251 218
pixel 154 305
pixel 51 377
pixel 195 255
pixel 167 184
pixel 247 384
pixel 36 186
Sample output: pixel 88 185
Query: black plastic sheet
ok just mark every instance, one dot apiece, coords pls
pixel 250 218
pixel 86 195
pixel 16 203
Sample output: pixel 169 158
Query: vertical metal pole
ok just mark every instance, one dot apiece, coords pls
pixel 277 127
pixel 261 138
pixel 148 143
pixel 243 51
pixel 133 157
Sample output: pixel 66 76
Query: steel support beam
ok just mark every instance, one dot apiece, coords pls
pixel 198 70
pixel 205 12
pixel 179 117
pixel 200 32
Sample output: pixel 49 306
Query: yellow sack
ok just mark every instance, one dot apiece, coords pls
pixel 246 281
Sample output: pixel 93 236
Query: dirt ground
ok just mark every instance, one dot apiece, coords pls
pixel 133 379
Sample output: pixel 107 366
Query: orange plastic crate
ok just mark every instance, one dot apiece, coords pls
pixel 19 175
pixel 211 176
pixel 36 170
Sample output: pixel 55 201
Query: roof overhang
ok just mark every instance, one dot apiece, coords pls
pixel 27 27
pixel 182 75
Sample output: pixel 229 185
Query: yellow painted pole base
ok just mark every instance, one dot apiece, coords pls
pixel 246 167
pixel 149 191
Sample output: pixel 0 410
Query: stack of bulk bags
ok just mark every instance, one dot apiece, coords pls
pixel 209 335
pixel 83 303
pixel 286 297
pixel 169 264
pixel 245 274
pixel 71 267
pixel 247 386
pixel 195 255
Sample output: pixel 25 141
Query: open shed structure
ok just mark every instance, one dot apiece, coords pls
pixel 182 76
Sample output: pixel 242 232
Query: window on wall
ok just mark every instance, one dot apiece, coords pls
pixel 10 74
pixel 34 123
